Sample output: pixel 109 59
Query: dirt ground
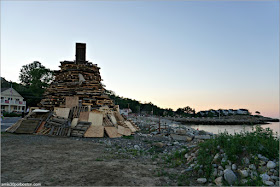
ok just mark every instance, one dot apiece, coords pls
pixel 60 161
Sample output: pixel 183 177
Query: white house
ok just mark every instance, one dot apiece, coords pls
pixel 11 101
pixel 242 111
pixel 125 111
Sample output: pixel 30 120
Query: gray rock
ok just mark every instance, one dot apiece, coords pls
pixel 224 160
pixel 186 155
pixel 270 165
pixel 263 158
pixel 265 177
pixel 233 167
pixel 243 181
pixel 252 166
pixel 246 161
pixel 158 144
pixel 202 137
pixel 216 157
pixel 253 174
pixel 215 172
pixel 137 147
pixel 222 151
pixel 221 168
pixel 219 181
pixel 228 167
pixel 269 183
pixel 229 176
pixel 181 137
pixel 274 178
pixel 201 180
pixel 243 173
pixel 220 173
pixel 214 165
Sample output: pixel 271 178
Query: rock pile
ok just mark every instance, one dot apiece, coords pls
pixel 227 172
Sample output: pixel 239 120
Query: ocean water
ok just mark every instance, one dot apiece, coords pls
pixel 231 129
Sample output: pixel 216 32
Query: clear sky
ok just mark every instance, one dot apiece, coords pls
pixel 204 54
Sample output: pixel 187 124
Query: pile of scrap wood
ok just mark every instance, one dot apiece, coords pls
pixel 81 80
pixel 76 121
pixel 78 105
pixel 31 123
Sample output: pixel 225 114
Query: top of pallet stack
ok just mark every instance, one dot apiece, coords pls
pixel 77 78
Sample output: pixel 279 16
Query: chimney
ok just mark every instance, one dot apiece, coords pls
pixel 80 53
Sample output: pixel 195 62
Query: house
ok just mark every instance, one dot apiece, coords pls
pixel 125 111
pixel 242 111
pixel 11 101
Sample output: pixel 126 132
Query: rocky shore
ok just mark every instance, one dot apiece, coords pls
pixel 228 120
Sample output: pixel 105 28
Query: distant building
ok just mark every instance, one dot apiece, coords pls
pixel 11 101
pixel 242 111
pixel 125 111
pixel 222 112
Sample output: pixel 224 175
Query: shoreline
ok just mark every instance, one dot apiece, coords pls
pixel 240 120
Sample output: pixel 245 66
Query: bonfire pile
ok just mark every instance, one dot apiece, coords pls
pixel 75 104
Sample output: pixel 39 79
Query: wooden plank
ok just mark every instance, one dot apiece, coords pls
pixel 14 127
pixel 118 116
pixel 96 118
pixel 62 112
pixel 41 126
pixel 113 119
pixel 130 126
pixel 112 132
pixel 74 122
pixel 124 131
pixel 84 116
pixel 27 126
pixel 95 132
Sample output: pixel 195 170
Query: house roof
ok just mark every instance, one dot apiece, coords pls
pixel 4 89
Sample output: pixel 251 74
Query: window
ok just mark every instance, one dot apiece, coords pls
pixel 15 108
pixel 2 97
pixel 2 107
pixel 23 108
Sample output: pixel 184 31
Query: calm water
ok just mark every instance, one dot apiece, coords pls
pixel 275 126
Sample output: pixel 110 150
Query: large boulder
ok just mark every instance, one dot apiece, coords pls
pixel 230 176
pixel 181 137
pixel 201 180
pixel 270 165
pixel 202 137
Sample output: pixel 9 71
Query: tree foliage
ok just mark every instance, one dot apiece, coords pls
pixel 34 78
pixel 35 75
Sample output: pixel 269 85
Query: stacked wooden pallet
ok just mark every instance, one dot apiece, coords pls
pixel 80 80
pixel 29 124
pixel 79 104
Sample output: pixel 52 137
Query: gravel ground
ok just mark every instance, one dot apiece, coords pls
pixel 54 161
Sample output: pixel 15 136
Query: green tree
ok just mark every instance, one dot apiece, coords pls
pixel 35 78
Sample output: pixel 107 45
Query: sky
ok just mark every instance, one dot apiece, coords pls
pixel 203 54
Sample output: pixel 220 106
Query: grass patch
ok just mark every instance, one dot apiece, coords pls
pixel 99 159
pixel 128 137
pixel 259 141
pixel 177 158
